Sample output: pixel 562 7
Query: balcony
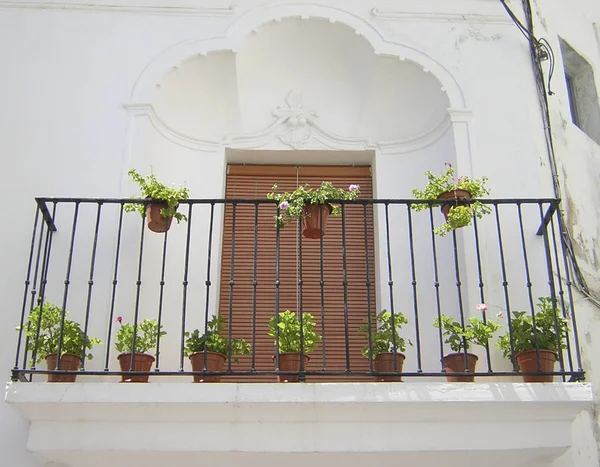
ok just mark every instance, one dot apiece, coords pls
pixel 108 270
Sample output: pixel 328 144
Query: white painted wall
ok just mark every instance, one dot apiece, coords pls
pixel 70 72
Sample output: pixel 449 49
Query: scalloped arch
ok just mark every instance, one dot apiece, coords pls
pixel 244 24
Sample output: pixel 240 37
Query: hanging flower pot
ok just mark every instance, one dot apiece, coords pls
pixel 457 212
pixel 528 363
pixel 315 220
pixel 455 363
pixel 68 362
pixel 290 361
pixel 458 196
pixel 214 362
pixel 169 199
pixel 384 363
pixel 141 362
pixel 155 220
pixel 311 206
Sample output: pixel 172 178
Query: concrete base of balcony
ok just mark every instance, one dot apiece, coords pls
pixel 158 424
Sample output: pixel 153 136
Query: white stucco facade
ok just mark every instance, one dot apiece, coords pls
pixel 92 89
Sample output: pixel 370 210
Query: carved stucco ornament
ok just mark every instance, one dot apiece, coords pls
pixel 296 121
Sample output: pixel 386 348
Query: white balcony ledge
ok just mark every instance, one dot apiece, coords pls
pixel 325 424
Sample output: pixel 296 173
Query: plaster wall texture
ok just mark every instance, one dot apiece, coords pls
pixel 94 89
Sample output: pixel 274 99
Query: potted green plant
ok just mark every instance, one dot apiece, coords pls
pixel 146 338
pixel 311 205
pixel 45 346
pixel 158 215
pixel 286 333
pixel 546 340
pixel 217 349
pixel 382 344
pixel 476 332
pixel 445 187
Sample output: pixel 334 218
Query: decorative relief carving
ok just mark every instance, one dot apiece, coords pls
pixel 296 121
pixel 297 127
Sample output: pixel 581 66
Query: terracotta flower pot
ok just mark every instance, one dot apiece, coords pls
pixel 154 219
pixel 315 219
pixel 68 362
pixel 141 362
pixel 455 363
pixel 384 363
pixel 290 361
pixel 456 195
pixel 528 363
pixel 214 362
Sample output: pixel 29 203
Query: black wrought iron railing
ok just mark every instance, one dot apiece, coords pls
pixel 102 267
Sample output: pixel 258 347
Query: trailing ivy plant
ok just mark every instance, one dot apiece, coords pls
pixel 289 332
pixel 291 205
pixel 550 330
pixel 150 187
pixel 213 341
pixel 382 338
pixel 461 215
pixel 147 333
pixel 476 332
pixel 73 338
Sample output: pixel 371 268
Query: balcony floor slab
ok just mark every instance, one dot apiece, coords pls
pixel 318 423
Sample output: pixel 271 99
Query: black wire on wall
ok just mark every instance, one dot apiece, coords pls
pixel 540 51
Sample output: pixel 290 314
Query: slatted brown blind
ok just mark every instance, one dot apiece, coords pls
pixel 255 182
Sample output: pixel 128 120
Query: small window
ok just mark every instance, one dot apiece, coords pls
pixel 582 93
pixel 572 101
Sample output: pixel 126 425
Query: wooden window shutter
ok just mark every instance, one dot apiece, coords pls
pixel 255 182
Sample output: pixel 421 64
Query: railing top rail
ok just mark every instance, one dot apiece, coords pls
pixel 41 200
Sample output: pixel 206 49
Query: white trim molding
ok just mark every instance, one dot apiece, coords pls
pixel 398 14
pixel 113 8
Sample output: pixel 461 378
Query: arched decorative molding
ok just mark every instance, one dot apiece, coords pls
pixel 137 110
pixel 417 142
pixel 251 20
pixel 296 128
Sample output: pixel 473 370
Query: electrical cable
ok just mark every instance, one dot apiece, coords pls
pixel 540 50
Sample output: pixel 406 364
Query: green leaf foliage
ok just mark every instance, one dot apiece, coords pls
pixel 382 338
pixel 289 332
pixel 213 341
pixel 292 204
pixel 152 188
pixel 460 215
pixel 49 317
pixel 550 330
pixel 147 333
pixel 475 332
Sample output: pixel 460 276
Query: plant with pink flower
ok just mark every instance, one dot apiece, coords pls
pixel 291 205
